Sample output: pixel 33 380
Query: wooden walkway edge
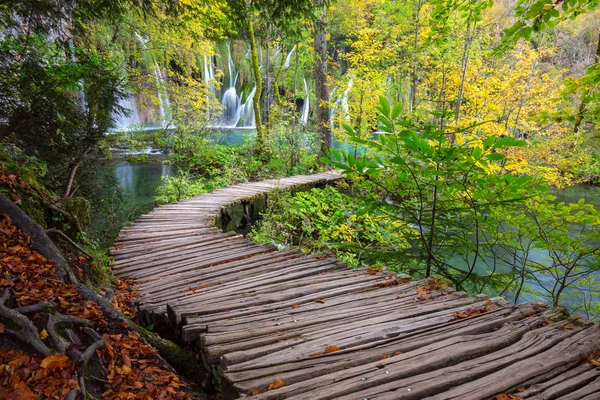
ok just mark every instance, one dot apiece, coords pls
pixel 286 325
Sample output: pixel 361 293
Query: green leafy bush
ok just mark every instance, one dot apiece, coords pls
pixel 325 219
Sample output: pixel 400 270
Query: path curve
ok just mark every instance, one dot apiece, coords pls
pixel 283 324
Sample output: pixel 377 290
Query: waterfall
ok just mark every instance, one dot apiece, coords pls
pixel 344 101
pixel 334 107
pixel 235 114
pixel 164 103
pixel 123 122
pixel 80 94
pixel 306 105
pixel 231 66
pixel 163 97
pixel 231 108
pixel 209 75
pixel 246 118
pixel 288 59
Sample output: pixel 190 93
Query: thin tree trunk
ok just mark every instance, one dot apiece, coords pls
pixel 268 91
pixel 321 91
pixel 72 171
pixel 260 134
pixel 465 63
pixel 414 78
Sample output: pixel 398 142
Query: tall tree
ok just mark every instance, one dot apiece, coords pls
pixel 321 90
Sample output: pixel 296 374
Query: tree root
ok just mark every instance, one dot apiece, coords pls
pixel 70 241
pixel 59 343
pixel 91 351
pixel 28 333
pixel 34 308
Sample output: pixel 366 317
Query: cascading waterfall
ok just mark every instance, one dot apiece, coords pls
pixel 132 119
pixel 344 102
pixel 163 97
pixel 306 105
pixel 231 108
pixel 235 114
pixel 81 83
pixel 246 119
pixel 334 107
pixel 209 74
pixel 288 59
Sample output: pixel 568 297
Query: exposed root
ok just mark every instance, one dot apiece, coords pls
pixel 28 333
pixel 91 351
pixel 59 343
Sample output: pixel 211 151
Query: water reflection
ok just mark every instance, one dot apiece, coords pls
pixel 139 180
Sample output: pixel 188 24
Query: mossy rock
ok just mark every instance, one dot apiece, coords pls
pixel 80 208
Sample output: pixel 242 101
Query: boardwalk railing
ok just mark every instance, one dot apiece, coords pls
pixel 283 324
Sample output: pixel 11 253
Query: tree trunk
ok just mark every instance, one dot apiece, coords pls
pixel 414 78
pixel 470 35
pixel 72 171
pixel 321 91
pixel 260 134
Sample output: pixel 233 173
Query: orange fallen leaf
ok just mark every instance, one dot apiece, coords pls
pixel 507 397
pixel 279 383
pixel 331 349
pixel 566 327
pixel 54 361
pixel 257 392
pixel 295 305
pixel 383 357
pixel 43 334
pixel 422 290
pixel 320 301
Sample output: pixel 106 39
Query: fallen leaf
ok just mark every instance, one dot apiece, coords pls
pixel 295 305
pixel 507 397
pixel 279 383
pixel 566 327
pixel 320 301
pixel 54 361
pixel 43 334
pixel 257 392
pixel 331 349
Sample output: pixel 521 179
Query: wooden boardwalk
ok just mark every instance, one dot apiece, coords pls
pixel 285 325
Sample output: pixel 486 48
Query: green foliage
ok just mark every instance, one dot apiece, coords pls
pixel 555 245
pixel 40 113
pixel 539 15
pixel 325 219
pixel 445 189
pixel 181 186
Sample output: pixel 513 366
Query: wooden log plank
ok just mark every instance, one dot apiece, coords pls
pixel 315 291
pixel 561 385
pixel 228 251
pixel 180 252
pixel 441 354
pixel 247 377
pixel 348 336
pixel 246 265
pixel 539 352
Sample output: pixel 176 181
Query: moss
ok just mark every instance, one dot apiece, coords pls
pixel 79 208
pixel 184 361
pixel 35 210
